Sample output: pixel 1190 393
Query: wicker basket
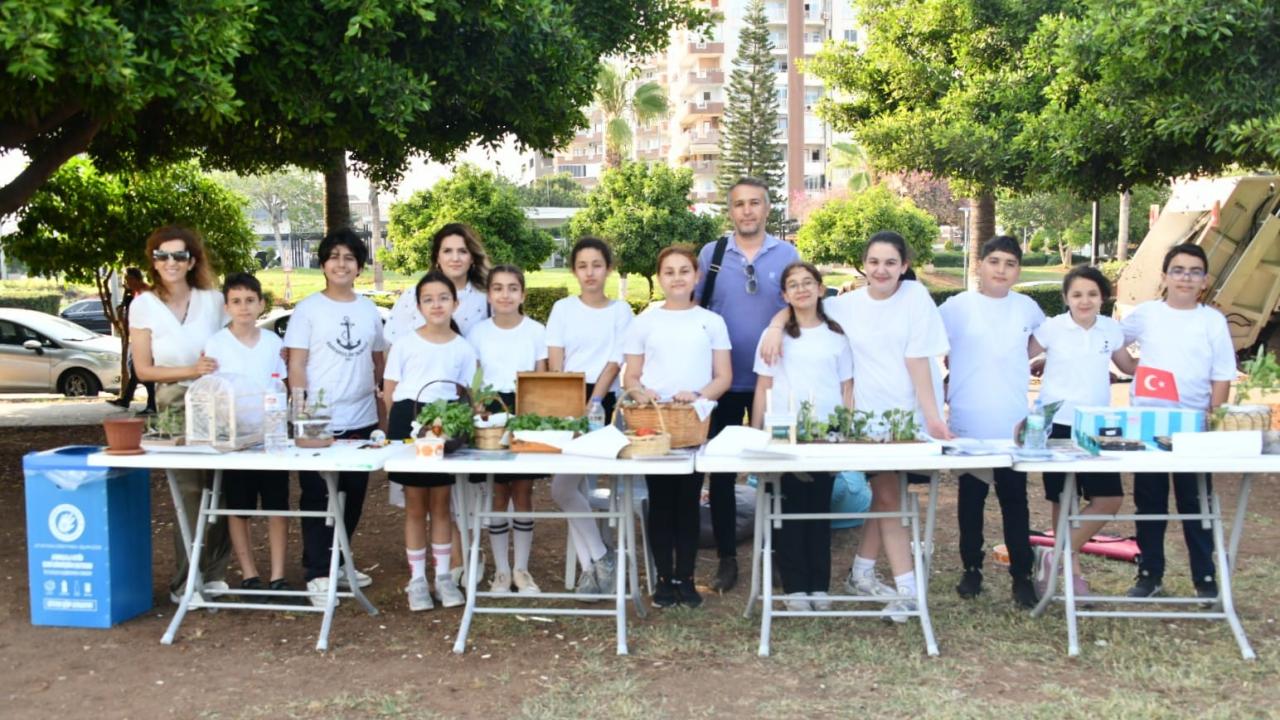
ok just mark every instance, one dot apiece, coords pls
pixel 490 438
pixel 451 444
pixel 648 445
pixel 680 420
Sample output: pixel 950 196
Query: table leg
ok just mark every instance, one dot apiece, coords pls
pixel 766 610
pixel 1228 600
pixel 622 560
pixel 1070 505
pixel 473 571
pixel 627 483
pixel 1060 533
pixel 930 522
pixel 180 508
pixel 194 579
pixel 1237 525
pixel 343 540
pixel 1202 495
pixel 334 510
pixel 757 537
pixel 460 503
pixel 922 579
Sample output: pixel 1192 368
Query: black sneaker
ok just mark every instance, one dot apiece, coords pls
pixel 664 593
pixel 1208 594
pixel 970 585
pixel 726 575
pixel 282 584
pixel 1144 587
pixel 687 593
pixel 253 583
pixel 1024 593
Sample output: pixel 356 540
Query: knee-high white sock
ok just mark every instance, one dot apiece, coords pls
pixel 524 542
pixel 417 562
pixel 566 492
pixel 499 541
pixel 441 553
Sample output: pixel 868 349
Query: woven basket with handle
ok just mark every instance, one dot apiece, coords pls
pixel 678 419
pixel 490 438
pixel 451 444
pixel 653 445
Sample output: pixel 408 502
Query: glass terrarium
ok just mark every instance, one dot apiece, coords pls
pixel 311 420
pixel 224 411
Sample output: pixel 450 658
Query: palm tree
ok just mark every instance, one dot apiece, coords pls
pixel 850 156
pixel 648 102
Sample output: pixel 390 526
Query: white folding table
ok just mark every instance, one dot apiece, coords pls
pixel 1210 516
pixel 769 468
pixel 343 455
pixel 489 463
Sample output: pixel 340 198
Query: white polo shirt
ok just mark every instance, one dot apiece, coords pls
pixel 1077 367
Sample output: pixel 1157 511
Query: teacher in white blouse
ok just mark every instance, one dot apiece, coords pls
pixel 168 328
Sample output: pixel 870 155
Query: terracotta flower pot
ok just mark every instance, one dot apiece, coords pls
pixel 123 434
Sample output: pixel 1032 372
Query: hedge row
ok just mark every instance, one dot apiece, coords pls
pixel 46 301
pixel 1048 297
pixel 538 301
pixel 950 259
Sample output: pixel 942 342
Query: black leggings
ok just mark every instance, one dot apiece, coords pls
pixel 674 519
pixel 804 546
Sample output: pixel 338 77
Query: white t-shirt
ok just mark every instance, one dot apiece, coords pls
pixel 413 362
pixel 1077 366
pixel 989 368
pixel 174 343
pixel 591 337
pixel 812 366
pixel 1195 345
pixel 503 353
pixel 340 339
pixel 882 335
pixel 255 364
pixel 473 306
pixel 677 347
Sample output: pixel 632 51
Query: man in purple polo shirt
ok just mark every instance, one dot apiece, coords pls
pixel 747 293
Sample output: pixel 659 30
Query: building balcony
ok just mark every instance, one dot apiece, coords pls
pixel 704 143
pixel 703 167
pixel 706 77
pixel 695 111
pixel 695 51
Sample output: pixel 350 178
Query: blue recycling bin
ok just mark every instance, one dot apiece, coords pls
pixel 88 539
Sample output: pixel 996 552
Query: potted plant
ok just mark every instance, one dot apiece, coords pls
pixel 167 427
pixel 311 423
pixel 452 421
pixel 1262 375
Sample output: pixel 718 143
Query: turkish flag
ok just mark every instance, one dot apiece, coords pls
pixel 1155 383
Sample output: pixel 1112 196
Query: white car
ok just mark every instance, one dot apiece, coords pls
pixel 42 353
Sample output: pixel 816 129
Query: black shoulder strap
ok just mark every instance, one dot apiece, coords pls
pixel 717 256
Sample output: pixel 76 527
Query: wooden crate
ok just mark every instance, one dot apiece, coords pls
pixel 551 394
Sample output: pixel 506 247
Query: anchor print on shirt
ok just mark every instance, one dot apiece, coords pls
pixel 345 344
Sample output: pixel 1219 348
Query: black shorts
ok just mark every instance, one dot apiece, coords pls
pixel 243 488
pixel 1088 485
pixel 399 424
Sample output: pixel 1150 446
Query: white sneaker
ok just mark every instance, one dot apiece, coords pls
pixel 447 590
pixel 501 582
pixel 797 602
pixel 868 584
pixel 901 606
pixel 214 585
pixel 318 587
pixel 362 580
pixel 820 601
pixel 419 595
pixel 525 584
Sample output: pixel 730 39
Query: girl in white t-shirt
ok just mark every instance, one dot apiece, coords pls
pixel 677 351
pixel 508 343
pixel 456 251
pixel 896 335
pixel 1191 341
pixel 1080 345
pixel 435 351
pixel 584 334
pixel 816 365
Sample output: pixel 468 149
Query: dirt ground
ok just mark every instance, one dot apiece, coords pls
pixel 694 664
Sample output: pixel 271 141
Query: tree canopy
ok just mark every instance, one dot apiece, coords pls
pixel 640 209
pixel 470 196
pixel 556 190
pixel 837 232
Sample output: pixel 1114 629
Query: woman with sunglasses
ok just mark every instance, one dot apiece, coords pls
pixel 168 328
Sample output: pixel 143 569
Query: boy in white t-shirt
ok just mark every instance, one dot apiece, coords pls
pixel 989 331
pixel 254 357
pixel 1192 342
pixel 336 345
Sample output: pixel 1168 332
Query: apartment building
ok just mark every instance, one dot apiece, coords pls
pixel 695 71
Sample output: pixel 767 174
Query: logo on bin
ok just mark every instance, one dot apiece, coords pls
pixel 66 522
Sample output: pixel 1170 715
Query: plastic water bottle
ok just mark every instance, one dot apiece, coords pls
pixel 275 416
pixel 595 415
pixel 1035 430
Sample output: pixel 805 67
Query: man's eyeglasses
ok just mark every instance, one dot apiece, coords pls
pixel 1188 273
pixel 176 255
pixel 752 284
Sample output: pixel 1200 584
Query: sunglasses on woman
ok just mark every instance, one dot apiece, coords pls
pixel 176 255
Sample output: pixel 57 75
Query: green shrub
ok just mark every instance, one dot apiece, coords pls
pixel 948 259
pixel 940 295
pixel 948 245
pixel 1048 297
pixel 46 301
pixel 538 301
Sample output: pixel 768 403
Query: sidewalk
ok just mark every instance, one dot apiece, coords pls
pixel 55 410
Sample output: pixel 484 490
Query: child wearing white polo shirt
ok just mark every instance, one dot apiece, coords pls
pixel 1079 345
pixel 989 331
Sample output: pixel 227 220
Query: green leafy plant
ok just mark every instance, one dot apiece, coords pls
pixel 808 428
pixel 482 395
pixel 447 419
pixel 1262 375
pixel 900 425
pixel 168 423
pixel 529 421
pixel 314 409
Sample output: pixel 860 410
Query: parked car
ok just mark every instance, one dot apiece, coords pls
pixel 89 314
pixel 45 353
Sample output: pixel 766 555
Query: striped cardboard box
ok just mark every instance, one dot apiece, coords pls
pixel 1134 423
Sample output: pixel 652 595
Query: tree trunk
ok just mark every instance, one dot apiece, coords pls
pixel 982 227
pixel 622 286
pixel 1122 237
pixel 375 235
pixel 118 321
pixel 337 203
